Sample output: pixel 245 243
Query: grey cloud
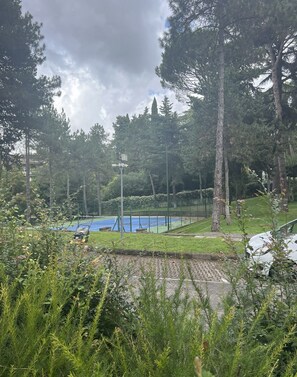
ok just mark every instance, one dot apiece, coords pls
pixel 105 52
pixel 117 33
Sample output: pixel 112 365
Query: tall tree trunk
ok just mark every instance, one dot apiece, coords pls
pixel 1 166
pixel 174 202
pixel 51 184
pixel 69 209
pixel 68 188
pixel 85 195
pixel 200 186
pixel 1 157
pixel 227 190
pixel 217 193
pixel 280 177
pixel 268 183
pixel 98 180
pixel 153 186
pixel 28 180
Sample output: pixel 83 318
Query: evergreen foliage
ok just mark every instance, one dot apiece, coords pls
pixel 22 93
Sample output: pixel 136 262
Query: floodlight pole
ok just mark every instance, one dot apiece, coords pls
pixel 121 166
pixel 122 199
pixel 167 186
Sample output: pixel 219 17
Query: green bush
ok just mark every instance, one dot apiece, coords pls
pixel 53 320
pixel 166 336
pixel 136 184
pixel 56 305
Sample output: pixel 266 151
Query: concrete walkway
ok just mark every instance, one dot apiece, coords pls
pixel 231 236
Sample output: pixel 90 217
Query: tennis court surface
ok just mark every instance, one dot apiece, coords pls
pixel 155 224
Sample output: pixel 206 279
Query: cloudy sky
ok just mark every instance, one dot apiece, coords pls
pixel 105 52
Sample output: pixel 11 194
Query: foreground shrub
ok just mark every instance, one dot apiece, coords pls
pixel 254 334
pixel 57 323
pixel 166 338
pixel 55 306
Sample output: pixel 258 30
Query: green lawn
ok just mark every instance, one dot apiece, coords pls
pixel 157 242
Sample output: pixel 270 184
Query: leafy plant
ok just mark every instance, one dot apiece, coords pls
pixel 166 334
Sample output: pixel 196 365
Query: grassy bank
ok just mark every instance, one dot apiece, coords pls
pixel 256 216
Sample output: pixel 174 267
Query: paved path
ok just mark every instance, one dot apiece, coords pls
pixel 173 268
pixel 231 236
pixel 207 274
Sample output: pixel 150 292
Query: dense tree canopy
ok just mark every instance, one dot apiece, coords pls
pixel 22 92
pixel 217 50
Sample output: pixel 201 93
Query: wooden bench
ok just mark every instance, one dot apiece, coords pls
pixel 105 229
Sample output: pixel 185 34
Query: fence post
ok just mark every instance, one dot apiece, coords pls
pixel 130 220
pixel 197 209
pixel 119 228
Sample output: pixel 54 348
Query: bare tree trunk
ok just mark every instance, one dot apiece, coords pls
pixel 98 180
pixel 51 184
pixel 153 186
pixel 291 149
pixel 217 193
pixel 28 180
pixel 1 156
pixel 200 186
pixel 85 195
pixel 69 209
pixel 227 190
pixel 68 188
pixel 174 194
pixel 280 178
pixel 1 166
pixel 268 183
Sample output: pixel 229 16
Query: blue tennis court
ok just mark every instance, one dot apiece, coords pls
pixel 156 224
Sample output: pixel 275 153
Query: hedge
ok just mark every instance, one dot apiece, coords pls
pixel 183 198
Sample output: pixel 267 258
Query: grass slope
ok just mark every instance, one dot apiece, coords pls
pixel 256 215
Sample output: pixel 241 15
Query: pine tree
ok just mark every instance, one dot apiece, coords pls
pixel 154 109
pixel 194 61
